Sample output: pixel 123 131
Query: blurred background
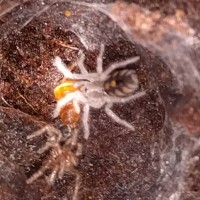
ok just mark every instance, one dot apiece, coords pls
pixel 160 159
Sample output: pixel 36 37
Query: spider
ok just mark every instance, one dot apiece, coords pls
pixel 61 158
pixel 104 88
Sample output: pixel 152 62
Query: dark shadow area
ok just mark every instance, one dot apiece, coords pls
pixel 157 161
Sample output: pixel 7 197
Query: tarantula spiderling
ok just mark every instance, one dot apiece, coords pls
pixel 103 88
pixel 61 158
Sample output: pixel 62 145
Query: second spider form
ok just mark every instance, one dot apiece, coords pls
pixel 117 84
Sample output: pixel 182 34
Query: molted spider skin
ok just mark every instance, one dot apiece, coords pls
pixel 61 159
pixel 100 89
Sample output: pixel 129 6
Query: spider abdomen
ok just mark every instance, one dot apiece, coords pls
pixel 68 114
pixel 121 83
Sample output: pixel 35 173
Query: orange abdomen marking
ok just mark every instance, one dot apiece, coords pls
pixel 65 87
pixel 68 114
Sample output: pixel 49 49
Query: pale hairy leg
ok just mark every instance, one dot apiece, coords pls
pixel 117 65
pixel 117 119
pixel 61 103
pixel 52 176
pixel 126 99
pixel 37 174
pixel 85 119
pixel 100 59
pixel 62 67
pixel 80 63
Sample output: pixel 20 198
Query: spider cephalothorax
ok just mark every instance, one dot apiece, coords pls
pixel 103 88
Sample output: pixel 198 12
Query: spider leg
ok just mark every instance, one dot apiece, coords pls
pixel 117 119
pixel 79 84
pixel 86 110
pixel 62 170
pixel 54 136
pixel 52 176
pixel 79 149
pixel 45 147
pixel 67 73
pixel 50 130
pixel 37 174
pixel 37 133
pixel 73 139
pixel 100 60
pixel 80 64
pixel 125 99
pixel 77 183
pixel 61 103
pixel 62 68
pixel 89 77
pixel 76 106
pixel 81 96
pixel 117 65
